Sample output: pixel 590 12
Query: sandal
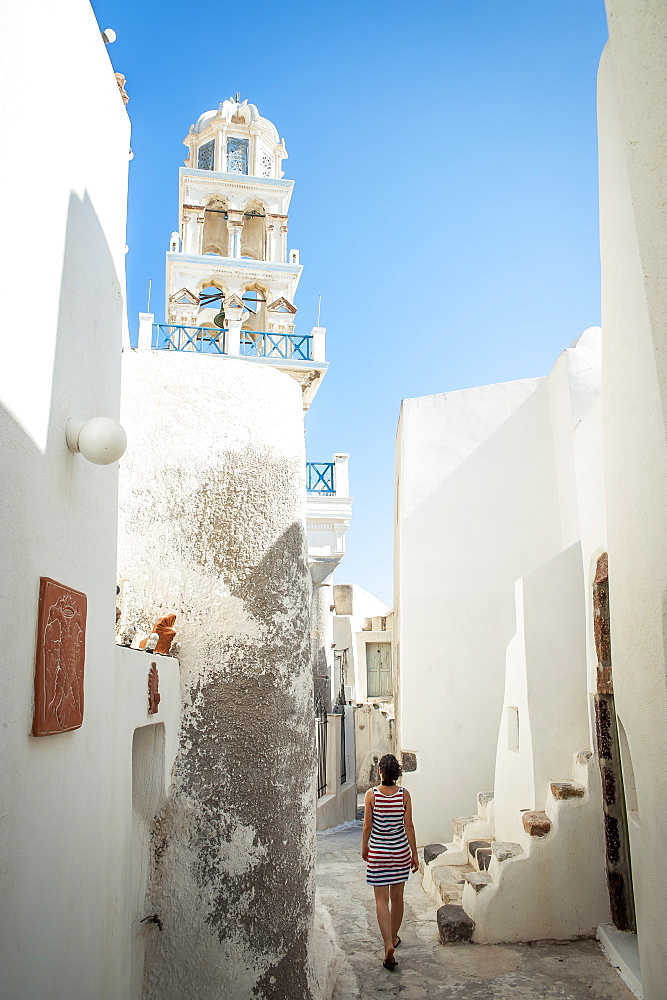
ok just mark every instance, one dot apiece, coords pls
pixel 397 942
pixel 390 965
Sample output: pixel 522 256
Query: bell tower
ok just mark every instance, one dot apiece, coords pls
pixel 231 280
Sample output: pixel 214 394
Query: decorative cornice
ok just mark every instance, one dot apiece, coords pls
pixel 239 180
pixel 231 266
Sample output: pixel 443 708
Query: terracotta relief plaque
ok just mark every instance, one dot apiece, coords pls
pixel 153 689
pixel 61 651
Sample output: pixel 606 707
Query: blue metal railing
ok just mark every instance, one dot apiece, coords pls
pixel 254 344
pixel 169 337
pixel 320 477
pixel 290 346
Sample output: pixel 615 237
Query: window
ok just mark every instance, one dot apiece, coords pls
pixel 253 299
pixel 237 156
pixel 378 670
pixel 206 155
pixel 513 728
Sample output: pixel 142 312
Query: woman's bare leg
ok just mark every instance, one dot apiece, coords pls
pixel 396 899
pixel 384 919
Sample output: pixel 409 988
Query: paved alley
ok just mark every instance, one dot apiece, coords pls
pixel 428 970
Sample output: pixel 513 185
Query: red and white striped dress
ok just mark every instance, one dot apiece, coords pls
pixel 388 847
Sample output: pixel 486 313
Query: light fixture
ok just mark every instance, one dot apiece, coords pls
pixel 108 36
pixel 100 440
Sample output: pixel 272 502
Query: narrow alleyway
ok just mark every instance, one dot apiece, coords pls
pixel 428 970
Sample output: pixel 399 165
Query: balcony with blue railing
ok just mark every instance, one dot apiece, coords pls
pixel 328 510
pixel 252 343
pixel 300 355
pixel 290 346
pixel 320 478
pixel 204 340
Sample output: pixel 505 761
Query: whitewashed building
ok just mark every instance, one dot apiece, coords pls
pixel 632 125
pixel 76 799
pixel 154 812
pixel 530 565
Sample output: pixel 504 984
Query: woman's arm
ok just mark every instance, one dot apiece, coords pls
pixel 410 831
pixel 368 823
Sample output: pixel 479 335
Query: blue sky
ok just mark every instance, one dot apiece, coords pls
pixel 445 205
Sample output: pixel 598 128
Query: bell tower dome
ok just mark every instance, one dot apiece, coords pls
pixel 235 139
pixel 231 280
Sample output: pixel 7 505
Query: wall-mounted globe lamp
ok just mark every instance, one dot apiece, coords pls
pixel 100 440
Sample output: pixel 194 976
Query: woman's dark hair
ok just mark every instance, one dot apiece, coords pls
pixel 390 769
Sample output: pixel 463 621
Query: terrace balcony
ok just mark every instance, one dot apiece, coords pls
pixel 328 509
pixel 302 356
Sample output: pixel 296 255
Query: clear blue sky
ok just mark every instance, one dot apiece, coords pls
pixel 445 206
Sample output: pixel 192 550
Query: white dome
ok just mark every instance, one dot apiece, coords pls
pixel 240 114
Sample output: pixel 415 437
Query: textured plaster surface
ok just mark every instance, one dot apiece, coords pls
pixel 212 528
pixel 427 970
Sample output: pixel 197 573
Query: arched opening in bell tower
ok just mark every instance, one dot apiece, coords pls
pixel 254 299
pixel 253 235
pixel 216 231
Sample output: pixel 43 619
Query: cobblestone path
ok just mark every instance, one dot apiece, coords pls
pixel 430 971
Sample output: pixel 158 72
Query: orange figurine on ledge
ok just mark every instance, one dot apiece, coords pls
pixel 165 629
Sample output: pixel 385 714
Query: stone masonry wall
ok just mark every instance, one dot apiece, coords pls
pixel 212 528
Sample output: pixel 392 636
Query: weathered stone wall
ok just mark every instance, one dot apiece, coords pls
pixel 212 528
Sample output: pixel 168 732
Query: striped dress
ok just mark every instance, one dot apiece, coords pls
pixel 388 847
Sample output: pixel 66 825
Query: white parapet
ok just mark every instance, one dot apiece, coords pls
pixel 318 334
pixel 341 475
pixel 145 341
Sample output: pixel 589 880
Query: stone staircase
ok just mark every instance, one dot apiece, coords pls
pixel 490 891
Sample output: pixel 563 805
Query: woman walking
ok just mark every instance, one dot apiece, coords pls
pixel 389 848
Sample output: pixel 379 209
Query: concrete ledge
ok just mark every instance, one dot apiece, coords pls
pixel 338 808
pixel 622 950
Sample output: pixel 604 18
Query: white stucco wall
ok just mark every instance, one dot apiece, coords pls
pixel 66 881
pixel 212 515
pixel 476 509
pixel 632 115
pixel 546 681
pixel 530 484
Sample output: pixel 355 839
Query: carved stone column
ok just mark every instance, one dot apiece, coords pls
pixel 200 233
pixel 235 229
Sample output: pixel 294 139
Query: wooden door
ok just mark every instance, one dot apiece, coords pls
pixel 378 670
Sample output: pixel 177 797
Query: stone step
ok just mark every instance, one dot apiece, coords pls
pixel 433 851
pixel 479 852
pixel 536 823
pixel 478 880
pixel 459 824
pixel 447 883
pixel 454 924
pixel 567 790
pixel 456 854
pixel 484 801
pixel 503 850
